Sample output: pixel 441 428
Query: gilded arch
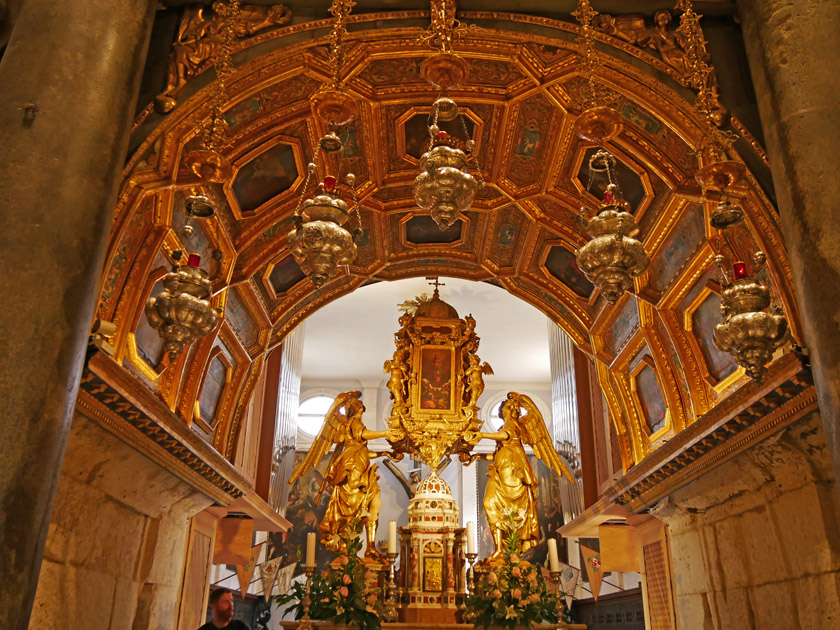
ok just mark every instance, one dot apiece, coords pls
pixel 524 78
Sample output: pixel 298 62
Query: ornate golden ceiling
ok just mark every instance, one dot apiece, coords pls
pixel 654 353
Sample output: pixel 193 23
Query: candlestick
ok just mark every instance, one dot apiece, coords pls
pixel 310 549
pixel 392 537
pixel 389 610
pixel 559 603
pixel 470 537
pixel 305 622
pixel 553 560
pixel 469 613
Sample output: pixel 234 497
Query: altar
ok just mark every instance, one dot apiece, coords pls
pixel 436 378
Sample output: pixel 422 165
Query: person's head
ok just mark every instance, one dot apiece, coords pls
pixel 510 412
pixel 662 18
pixel 221 602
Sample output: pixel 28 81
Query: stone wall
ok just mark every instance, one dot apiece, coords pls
pixel 116 543
pixel 756 542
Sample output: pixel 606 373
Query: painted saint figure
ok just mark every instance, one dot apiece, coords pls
pixel 354 480
pixel 511 496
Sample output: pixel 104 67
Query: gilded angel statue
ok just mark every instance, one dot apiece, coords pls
pixel 475 379
pixel 511 482
pixel 353 479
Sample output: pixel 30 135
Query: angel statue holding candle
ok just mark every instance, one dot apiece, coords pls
pixel 353 479
pixel 511 495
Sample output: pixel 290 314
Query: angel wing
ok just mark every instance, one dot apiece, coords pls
pixel 533 432
pixel 486 369
pixel 332 432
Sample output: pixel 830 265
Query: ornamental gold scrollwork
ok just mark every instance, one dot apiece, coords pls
pixel 671 44
pixel 199 38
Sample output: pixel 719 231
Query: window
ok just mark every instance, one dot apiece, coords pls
pixel 311 413
pixel 494 417
pixel 493 411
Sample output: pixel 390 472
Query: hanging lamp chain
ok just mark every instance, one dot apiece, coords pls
pixel 716 142
pixel 444 26
pixel 213 132
pixel 340 10
pixel 593 95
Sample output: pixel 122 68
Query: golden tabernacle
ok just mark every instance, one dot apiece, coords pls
pixel 436 377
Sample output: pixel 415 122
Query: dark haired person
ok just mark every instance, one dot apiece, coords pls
pixel 221 602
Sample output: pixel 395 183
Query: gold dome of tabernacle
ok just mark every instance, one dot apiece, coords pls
pixel 436 308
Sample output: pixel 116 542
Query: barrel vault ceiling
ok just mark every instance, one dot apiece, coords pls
pixel 652 350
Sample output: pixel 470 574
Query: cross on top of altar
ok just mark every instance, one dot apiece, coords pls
pixel 436 283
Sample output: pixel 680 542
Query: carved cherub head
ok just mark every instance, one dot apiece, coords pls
pixel 662 18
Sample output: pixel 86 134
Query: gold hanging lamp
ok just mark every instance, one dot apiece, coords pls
pixel 182 312
pixel 320 242
pixel 748 331
pixel 613 256
pixel 751 329
pixel 444 186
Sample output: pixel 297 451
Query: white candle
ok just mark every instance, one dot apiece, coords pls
pixel 470 537
pixel 392 537
pixel 310 549
pixel 553 560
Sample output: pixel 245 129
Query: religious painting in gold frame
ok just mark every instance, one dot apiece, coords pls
pixel 436 366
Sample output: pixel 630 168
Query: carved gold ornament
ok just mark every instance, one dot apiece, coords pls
pixel 614 256
pixel 205 36
pixel 435 380
pixel 748 331
pixel 598 125
pixel 182 312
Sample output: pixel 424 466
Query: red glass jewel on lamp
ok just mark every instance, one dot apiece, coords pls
pixel 608 197
pixel 194 260
pixel 739 270
pixel 442 135
pixel 329 182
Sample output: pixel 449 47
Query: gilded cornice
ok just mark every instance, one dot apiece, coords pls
pixel 749 415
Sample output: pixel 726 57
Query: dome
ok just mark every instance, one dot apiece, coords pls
pixel 433 485
pixel 432 506
pixel 436 308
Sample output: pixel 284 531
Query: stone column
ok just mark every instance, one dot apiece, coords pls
pixel 792 46
pixel 69 80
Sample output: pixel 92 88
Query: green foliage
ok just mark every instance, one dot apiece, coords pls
pixel 339 594
pixel 513 594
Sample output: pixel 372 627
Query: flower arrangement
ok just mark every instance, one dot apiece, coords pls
pixel 513 594
pixel 340 593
